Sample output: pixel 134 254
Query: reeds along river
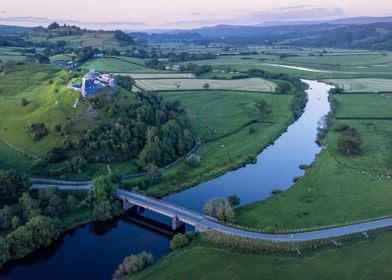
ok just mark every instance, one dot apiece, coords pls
pixel 94 251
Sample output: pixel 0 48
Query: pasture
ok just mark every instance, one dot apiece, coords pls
pixel 337 188
pixel 253 84
pixel 222 119
pixel 152 76
pixel 198 261
pixel 363 85
pixel 115 65
pixel 50 102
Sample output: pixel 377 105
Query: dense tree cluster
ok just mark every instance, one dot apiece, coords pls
pixel 121 36
pixel 148 128
pixel 12 185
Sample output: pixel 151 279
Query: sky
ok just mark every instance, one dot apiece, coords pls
pixel 181 14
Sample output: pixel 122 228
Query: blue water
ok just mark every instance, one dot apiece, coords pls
pixel 95 250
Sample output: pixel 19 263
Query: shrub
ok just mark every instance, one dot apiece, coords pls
pixel 24 102
pixel 4 252
pixel 276 191
pixel 133 264
pixel 252 130
pixel 350 142
pixel 342 127
pixel 220 208
pixel 179 241
pixel 193 160
pixel 37 131
pixel 102 211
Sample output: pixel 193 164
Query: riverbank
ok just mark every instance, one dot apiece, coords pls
pixel 228 124
pixel 337 188
pixel 198 261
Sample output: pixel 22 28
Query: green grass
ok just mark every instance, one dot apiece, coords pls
pixel 31 82
pixel 367 259
pixel 223 116
pixel 337 188
pixel 111 64
pixel 253 84
pixel 363 85
pixel 364 106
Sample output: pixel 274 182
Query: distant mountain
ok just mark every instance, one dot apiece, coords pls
pixel 340 21
pixel 8 29
pixel 361 20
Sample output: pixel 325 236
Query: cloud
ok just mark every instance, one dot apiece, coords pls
pixel 304 12
pixel 196 14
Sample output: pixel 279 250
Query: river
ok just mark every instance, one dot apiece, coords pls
pixel 93 251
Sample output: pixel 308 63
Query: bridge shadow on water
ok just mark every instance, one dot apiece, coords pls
pixel 152 223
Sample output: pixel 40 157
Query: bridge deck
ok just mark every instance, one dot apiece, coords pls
pixel 204 222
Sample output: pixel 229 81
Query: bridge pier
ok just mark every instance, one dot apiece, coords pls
pixel 127 205
pixel 176 223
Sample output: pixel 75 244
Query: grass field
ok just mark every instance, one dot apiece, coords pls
pixel 367 259
pixel 50 103
pixel 337 188
pixel 364 105
pixel 111 64
pixel 254 84
pixel 363 85
pixel 221 118
pixel 142 76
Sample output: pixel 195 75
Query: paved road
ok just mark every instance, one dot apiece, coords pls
pixel 207 223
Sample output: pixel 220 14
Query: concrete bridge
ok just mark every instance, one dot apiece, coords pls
pixel 201 222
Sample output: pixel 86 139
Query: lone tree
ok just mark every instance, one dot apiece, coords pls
pixel 206 86
pixel 103 189
pixel 220 208
pixel 234 200
pixel 350 142
pixel 264 108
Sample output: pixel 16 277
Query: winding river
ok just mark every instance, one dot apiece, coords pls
pixel 93 251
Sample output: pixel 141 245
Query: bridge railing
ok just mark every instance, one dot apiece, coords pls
pixel 299 230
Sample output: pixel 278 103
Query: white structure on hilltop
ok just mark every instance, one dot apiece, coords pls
pixel 93 81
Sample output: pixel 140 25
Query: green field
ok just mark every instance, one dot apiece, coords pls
pixel 367 259
pixel 50 103
pixel 253 84
pixel 364 105
pixel 116 65
pixel 222 119
pixel 363 85
pixel 142 76
pixel 338 188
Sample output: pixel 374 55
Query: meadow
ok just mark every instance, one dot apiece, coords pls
pixel 50 102
pixel 253 84
pixel 366 259
pixel 222 119
pixel 116 65
pixel 337 188
pixel 362 85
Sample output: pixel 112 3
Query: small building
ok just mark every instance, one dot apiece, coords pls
pixel 93 81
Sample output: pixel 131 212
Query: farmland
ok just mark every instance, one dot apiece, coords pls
pixel 363 85
pixel 116 65
pixel 254 84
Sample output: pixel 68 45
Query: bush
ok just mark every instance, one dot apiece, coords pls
pixel 12 185
pixel 350 142
pixel 342 127
pixel 37 131
pixel 193 160
pixel 220 208
pixel 24 102
pixel 4 252
pixel 276 191
pixel 179 241
pixel 133 264
pixel 252 130
pixel 102 211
